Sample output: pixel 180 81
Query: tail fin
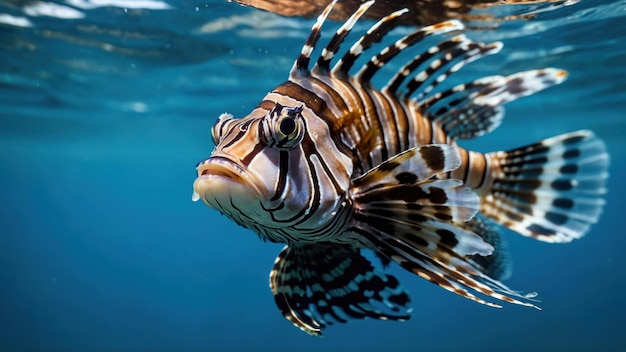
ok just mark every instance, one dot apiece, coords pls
pixel 551 190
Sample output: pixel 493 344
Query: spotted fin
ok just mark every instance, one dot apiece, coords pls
pixel 402 192
pixel 421 222
pixel 316 285
pixel 551 190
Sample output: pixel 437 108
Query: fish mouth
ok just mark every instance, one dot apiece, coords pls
pixel 222 181
pixel 221 167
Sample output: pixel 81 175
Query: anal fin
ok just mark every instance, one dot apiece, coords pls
pixel 497 265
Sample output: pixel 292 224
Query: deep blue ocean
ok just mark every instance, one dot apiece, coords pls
pixel 106 106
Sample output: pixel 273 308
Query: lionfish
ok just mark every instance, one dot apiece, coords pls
pixel 338 169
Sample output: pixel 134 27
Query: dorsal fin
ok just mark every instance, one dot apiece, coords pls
pixel 323 62
pixel 454 58
pixel 301 66
pixel 455 111
pixel 376 33
pixel 472 109
pixel 384 56
pixel 395 82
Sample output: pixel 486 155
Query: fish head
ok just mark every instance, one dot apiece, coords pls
pixel 274 168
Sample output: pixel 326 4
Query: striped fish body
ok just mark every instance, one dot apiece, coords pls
pixel 334 167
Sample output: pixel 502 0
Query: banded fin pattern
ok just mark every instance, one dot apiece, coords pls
pixel 377 61
pixel 453 53
pixel 374 35
pixel 316 285
pixel 301 65
pixel 470 110
pixel 417 220
pixel 551 190
pixel 448 62
pixel 449 270
pixel 407 178
pixel 323 62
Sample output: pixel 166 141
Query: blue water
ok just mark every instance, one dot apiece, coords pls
pixel 106 107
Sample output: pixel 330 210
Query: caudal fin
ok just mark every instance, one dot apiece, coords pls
pixel 551 190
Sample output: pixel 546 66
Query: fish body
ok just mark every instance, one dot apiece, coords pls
pixel 334 167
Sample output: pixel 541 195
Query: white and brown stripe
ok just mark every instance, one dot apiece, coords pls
pixel 380 168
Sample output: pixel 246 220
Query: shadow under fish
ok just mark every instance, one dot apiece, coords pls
pixel 334 167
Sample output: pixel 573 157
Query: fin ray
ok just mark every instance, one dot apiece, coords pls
pixel 551 190
pixel 454 59
pixel 412 220
pixel 472 109
pixel 301 65
pixel 453 272
pixel 375 34
pixel 323 63
pixel 422 162
pixel 377 61
pixel 405 180
pixel 316 285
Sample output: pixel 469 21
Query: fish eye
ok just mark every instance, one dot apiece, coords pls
pixel 285 127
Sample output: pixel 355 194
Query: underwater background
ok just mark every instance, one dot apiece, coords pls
pixel 105 109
